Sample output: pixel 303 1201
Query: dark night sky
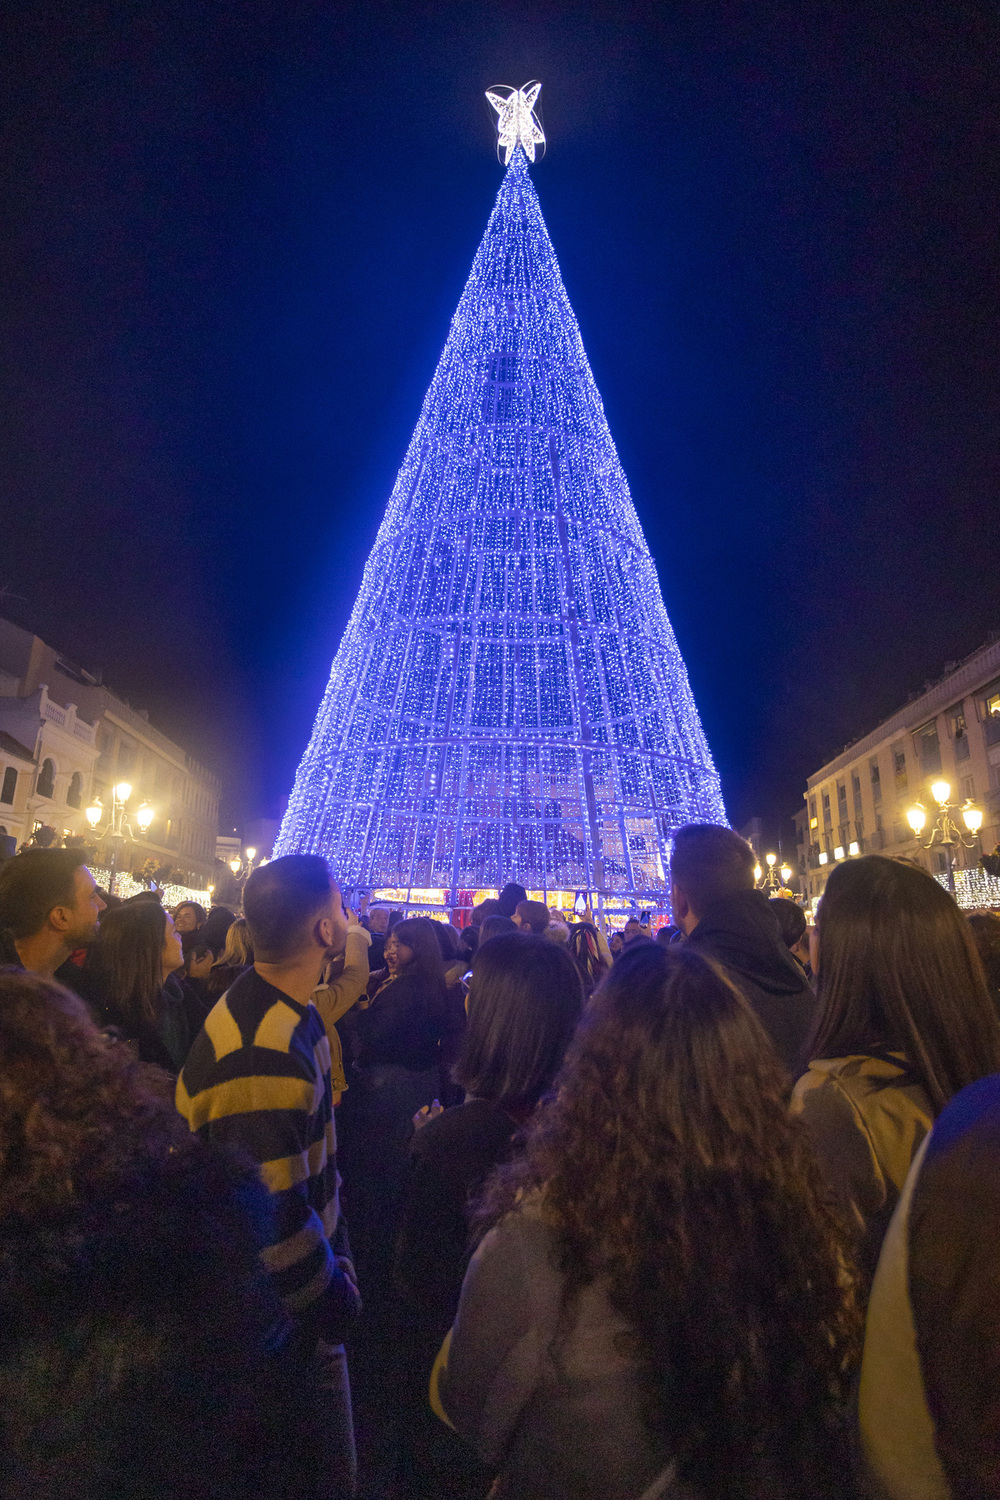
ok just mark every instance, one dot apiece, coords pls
pixel 233 236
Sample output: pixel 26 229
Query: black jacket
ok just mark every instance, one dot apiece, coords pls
pixel 741 933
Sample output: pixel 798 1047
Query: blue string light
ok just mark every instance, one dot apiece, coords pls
pixel 508 700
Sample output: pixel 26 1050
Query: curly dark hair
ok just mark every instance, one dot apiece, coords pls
pixel 138 1320
pixel 668 1164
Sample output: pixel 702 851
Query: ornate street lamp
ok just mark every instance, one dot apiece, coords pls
pixel 944 830
pixel 771 880
pixel 118 829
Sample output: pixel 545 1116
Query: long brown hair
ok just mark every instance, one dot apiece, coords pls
pixel 898 970
pixel 668 1164
pixel 128 960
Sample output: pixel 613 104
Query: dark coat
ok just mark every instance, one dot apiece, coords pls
pixel 741 933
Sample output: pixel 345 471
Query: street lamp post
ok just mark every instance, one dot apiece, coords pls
pixel 771 880
pixel 944 830
pixel 118 829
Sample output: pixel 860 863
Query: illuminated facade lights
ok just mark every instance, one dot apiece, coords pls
pixel 508 700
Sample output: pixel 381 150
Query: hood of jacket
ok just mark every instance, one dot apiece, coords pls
pixel 741 932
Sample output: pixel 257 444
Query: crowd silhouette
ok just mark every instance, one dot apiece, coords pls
pixel 316 1203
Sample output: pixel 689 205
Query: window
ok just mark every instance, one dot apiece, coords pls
pixel 75 794
pixel 856 793
pixel 46 779
pixel 9 785
pixel 842 800
pixel 928 749
pixel 989 710
pixel 827 815
pixel 126 758
pixel 968 786
pixel 899 767
pixel 876 780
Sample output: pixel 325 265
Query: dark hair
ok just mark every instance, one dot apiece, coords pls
pixel 448 941
pixel 586 954
pixel 495 927
pixel 525 999
pixel 417 934
pixel 898 969
pixel 135 1312
pixel 535 913
pixel 217 925
pixel 709 863
pixel 791 920
pixel 32 883
pixel 194 906
pixel 127 961
pixel 509 898
pixel 985 927
pixel 488 908
pixel 470 938
pixel 282 901
pixel 393 920
pixel 667 1165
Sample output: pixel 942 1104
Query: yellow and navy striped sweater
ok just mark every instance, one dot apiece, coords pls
pixel 258 1078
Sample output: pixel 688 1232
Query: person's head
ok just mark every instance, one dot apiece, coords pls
pixel 558 928
pixel 393 919
pixel 238 950
pixel 137 948
pixel 108 1206
pixel 470 939
pixel 898 969
pixel 586 953
pixel 525 999
pixel 510 897
pixel 791 920
pixel 448 941
pixel 666 934
pixel 412 948
pixel 531 916
pixel 495 927
pixel 633 930
pixel 708 864
pixel 50 891
pixel 616 942
pixel 189 916
pixel 217 924
pixel 667 1163
pixel 488 908
pixel 985 927
pixel 294 912
pixel 378 920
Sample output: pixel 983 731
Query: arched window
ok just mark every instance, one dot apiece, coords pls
pixel 75 794
pixel 46 779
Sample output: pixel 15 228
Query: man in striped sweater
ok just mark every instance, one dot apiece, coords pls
pixel 258 1078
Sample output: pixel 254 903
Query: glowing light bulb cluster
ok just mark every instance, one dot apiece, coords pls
pixel 508 700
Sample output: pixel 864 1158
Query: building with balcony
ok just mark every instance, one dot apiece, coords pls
pixel 65 739
pixel 857 803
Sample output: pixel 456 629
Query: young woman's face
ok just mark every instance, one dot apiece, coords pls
pixel 186 920
pixel 172 956
pixel 397 955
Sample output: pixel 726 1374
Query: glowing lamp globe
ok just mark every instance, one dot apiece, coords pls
pixel 941 792
pixel 123 791
pixel 251 855
pixel 145 816
pixel 916 817
pixel 93 813
pixel 772 860
pixel 234 865
pixel 973 818
pixel 786 874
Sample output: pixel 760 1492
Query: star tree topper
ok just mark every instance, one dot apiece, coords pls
pixel 517 124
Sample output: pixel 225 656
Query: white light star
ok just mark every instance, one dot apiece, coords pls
pixel 517 124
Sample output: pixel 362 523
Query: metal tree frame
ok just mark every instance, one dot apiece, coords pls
pixel 508 700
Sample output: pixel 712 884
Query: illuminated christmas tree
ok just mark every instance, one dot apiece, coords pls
pixel 508 700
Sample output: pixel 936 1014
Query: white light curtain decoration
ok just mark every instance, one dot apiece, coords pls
pixel 508 700
pixel 124 885
pixel 975 890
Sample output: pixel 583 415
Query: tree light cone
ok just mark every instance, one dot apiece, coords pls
pixel 508 700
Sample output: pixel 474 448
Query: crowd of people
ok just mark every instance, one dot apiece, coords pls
pixel 312 1203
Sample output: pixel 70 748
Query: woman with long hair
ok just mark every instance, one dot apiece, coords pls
pixel 137 1317
pixel 904 1021
pixel 236 956
pixel 585 946
pixel 136 953
pixel 664 1298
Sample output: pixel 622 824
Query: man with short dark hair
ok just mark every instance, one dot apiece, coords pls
pixel 510 897
pixel 49 906
pixel 258 1078
pixel 714 902
pixel 531 916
